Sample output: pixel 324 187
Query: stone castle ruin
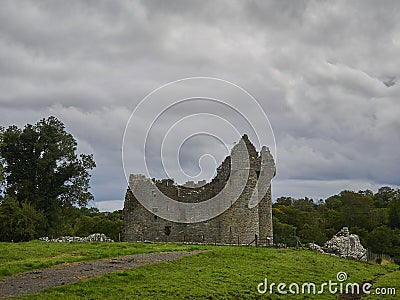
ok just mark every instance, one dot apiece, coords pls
pixel 248 213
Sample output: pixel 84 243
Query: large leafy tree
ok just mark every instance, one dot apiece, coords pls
pixel 41 167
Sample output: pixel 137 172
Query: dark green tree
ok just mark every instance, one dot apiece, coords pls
pixel 305 204
pixel 109 223
pixel 284 233
pixel 352 209
pixel 291 215
pixel 41 167
pixel 286 201
pixel 383 240
pixel 1 167
pixel 312 233
pixel 394 210
pixel 18 222
pixel 383 196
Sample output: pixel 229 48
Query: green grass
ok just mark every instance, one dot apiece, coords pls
pixel 223 273
pixel 390 280
pixel 20 257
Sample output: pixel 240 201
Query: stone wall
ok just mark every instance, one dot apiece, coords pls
pixel 95 237
pixel 238 224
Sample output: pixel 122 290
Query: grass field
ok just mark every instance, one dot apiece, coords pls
pixel 20 257
pixel 225 272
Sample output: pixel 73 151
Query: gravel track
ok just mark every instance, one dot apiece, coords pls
pixel 39 280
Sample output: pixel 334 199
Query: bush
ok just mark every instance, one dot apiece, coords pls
pixel 19 222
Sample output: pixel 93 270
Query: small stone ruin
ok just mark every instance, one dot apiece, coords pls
pixel 95 237
pixel 343 244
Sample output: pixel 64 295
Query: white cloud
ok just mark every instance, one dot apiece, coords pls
pixel 108 205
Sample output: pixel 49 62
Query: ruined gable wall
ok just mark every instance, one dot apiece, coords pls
pixel 265 205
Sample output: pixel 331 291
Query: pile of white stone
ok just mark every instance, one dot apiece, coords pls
pixel 343 244
pixel 95 237
pixel 315 247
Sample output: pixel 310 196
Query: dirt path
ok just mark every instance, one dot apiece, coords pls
pixel 38 280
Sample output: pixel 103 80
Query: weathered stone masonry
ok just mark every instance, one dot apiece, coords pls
pixel 237 225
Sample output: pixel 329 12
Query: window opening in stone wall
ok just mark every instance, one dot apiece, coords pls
pixel 167 230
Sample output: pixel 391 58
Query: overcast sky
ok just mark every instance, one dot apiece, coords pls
pixel 326 73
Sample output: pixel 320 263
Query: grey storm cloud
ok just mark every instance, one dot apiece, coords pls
pixel 325 72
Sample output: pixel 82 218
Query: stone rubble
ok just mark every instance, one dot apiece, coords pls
pixel 315 247
pixel 343 244
pixel 95 237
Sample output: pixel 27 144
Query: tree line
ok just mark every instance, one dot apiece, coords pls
pixel 374 217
